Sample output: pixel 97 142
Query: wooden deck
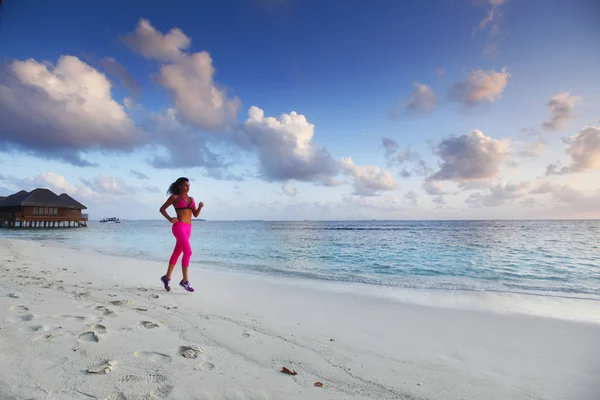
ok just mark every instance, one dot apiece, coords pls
pixel 19 220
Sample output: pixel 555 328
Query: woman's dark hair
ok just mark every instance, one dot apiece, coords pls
pixel 175 186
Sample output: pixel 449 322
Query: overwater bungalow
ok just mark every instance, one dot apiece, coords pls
pixel 41 208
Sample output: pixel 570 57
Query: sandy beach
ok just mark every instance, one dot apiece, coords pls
pixel 78 324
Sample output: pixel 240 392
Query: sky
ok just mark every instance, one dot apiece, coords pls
pixel 305 109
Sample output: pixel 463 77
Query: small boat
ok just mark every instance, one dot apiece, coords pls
pixel 111 219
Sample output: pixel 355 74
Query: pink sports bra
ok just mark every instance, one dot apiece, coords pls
pixel 181 204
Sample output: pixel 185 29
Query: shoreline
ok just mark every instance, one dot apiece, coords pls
pixel 555 305
pixel 359 346
pixel 463 269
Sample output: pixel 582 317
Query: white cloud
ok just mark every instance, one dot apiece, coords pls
pixel 576 202
pixel 491 47
pixel 196 96
pixel 289 190
pixel 152 44
pixel 331 182
pixel 62 111
pixel 433 188
pixel 108 185
pixel 421 99
pixel 492 13
pixel 188 77
pixel 139 174
pixel 439 201
pixel 116 69
pixel 368 180
pixel 584 149
pixel 542 187
pixel 284 145
pixel 411 157
pixel 561 108
pixel 469 157
pixel 169 133
pixel 128 102
pixel 411 198
pixel 475 185
pixel 53 181
pixel 533 150
pixel 285 148
pixel 390 146
pixel 380 203
pixel 529 202
pixel 498 194
pixel 481 87
pixel 418 166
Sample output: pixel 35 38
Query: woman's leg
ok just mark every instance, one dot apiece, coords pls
pixel 185 262
pixel 174 257
pixel 176 230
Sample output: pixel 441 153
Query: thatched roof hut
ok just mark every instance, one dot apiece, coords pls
pixel 40 198
pixel 41 207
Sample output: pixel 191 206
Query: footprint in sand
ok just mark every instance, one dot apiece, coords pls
pixel 152 356
pixel 142 289
pixel 206 366
pixel 99 329
pixel 73 317
pixel 161 392
pixel 27 317
pixel 83 295
pixel 104 310
pixel 120 303
pixel 88 337
pixel 190 352
pixel 152 378
pixel 44 328
pixel 103 368
pixel 38 328
pixel 148 324
pixel 248 335
pixel 154 296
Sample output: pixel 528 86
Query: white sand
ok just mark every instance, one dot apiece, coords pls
pixel 68 311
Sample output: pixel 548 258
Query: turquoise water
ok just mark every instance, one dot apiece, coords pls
pixel 555 258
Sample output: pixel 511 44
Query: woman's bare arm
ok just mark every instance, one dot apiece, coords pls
pixel 197 210
pixel 163 208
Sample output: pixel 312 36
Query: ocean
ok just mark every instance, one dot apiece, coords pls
pixel 545 258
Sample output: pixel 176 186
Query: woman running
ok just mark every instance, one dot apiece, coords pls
pixel 181 228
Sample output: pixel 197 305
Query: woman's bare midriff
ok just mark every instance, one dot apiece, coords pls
pixel 184 216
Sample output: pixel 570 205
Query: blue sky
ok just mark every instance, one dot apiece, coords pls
pixel 288 109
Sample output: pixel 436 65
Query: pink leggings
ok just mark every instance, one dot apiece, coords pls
pixel 182 232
